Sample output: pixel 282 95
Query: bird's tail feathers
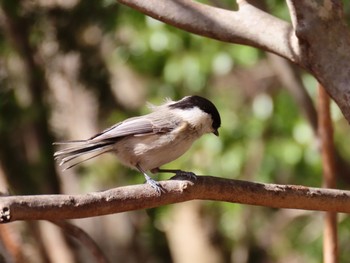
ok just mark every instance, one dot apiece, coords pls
pixel 81 148
pixel 70 142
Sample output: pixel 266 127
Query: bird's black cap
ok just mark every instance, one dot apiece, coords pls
pixel 202 103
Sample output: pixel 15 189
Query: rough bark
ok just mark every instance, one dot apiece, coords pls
pixel 121 199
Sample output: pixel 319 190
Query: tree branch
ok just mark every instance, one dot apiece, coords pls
pixel 324 40
pixel 318 41
pixel 84 238
pixel 121 199
pixel 325 134
pixel 248 25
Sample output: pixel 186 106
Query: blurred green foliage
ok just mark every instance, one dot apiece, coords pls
pixel 264 137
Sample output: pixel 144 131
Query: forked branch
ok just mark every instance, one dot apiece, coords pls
pixel 248 25
pixel 318 39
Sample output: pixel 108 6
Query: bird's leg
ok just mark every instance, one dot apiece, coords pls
pixel 177 172
pixel 156 185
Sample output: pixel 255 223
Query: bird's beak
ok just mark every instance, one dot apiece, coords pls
pixel 216 132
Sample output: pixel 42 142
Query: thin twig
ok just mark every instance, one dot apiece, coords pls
pixel 330 240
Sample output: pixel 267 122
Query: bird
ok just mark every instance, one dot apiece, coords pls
pixel 147 142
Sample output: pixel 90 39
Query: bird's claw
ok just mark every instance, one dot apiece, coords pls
pixel 156 185
pixel 190 175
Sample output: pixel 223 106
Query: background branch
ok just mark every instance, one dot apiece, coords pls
pixel 121 199
pixel 248 25
pixel 84 238
pixel 309 42
pixel 330 239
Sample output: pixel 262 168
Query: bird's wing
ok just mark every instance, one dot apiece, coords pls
pixel 138 126
pixel 104 141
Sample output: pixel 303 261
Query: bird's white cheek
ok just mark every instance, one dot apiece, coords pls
pixel 205 126
pixel 199 120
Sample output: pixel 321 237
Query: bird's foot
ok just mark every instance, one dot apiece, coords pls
pixel 156 185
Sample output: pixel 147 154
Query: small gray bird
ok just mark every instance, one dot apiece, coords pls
pixel 150 141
